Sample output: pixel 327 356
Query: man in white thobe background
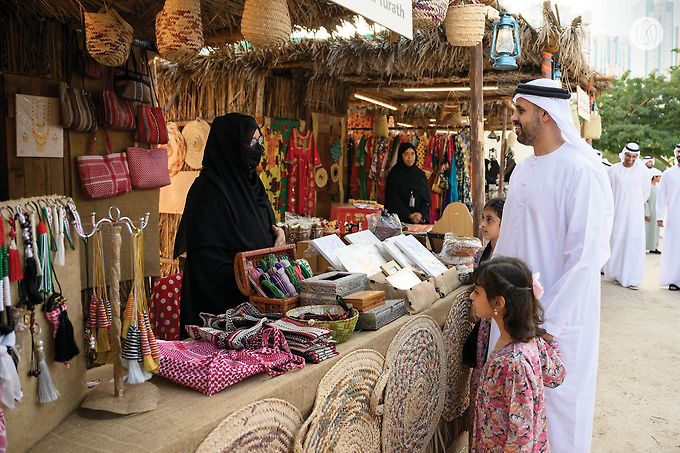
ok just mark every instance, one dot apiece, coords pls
pixel 631 182
pixel 668 215
pixel 557 218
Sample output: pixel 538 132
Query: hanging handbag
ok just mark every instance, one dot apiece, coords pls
pixel 115 113
pixel 148 167
pixel 77 109
pixel 132 85
pixel 103 176
pixel 87 66
pixel 151 126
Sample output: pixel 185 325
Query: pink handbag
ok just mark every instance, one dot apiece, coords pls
pixel 148 167
pixel 204 367
pixel 103 176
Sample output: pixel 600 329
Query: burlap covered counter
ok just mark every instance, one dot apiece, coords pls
pixel 185 417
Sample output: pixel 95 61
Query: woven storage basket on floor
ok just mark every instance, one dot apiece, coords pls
pixel 264 304
pixel 108 37
pixel 428 14
pixel 341 421
pixel 269 425
pixel 464 24
pixel 179 28
pixel 340 330
pixel 456 330
pixel 414 384
pixel 266 23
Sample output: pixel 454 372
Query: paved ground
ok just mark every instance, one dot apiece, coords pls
pixel 638 389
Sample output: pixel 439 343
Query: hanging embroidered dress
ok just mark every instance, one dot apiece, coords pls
pixel 302 161
pixel 272 169
pixel 284 126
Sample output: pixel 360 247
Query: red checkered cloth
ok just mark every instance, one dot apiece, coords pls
pixel 164 307
pixel 203 366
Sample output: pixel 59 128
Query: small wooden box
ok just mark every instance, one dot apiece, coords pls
pixel 378 317
pixel 324 288
pixel 365 300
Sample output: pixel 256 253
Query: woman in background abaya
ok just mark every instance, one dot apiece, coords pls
pixel 407 192
pixel 226 212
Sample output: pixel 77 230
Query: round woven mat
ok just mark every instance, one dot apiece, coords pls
pixel 195 135
pixel 341 420
pixel 268 425
pixel 176 148
pixel 456 330
pixel 414 395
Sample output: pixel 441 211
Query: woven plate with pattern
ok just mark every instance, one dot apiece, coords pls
pixel 268 425
pixel 456 330
pixel 341 420
pixel 415 374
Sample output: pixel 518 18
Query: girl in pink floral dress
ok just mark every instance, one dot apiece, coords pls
pixel 510 413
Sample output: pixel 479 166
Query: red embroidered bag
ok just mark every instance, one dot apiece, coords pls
pixel 164 307
pixel 202 366
pixel 103 176
pixel 116 113
pixel 151 127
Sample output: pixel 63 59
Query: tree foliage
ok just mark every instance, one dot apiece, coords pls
pixel 644 110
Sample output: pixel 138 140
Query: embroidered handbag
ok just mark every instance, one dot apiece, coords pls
pixel 148 167
pixel 151 126
pixel 77 109
pixel 132 85
pixel 103 176
pixel 115 113
pixel 164 307
pixel 203 366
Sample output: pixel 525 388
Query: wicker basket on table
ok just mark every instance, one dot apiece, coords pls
pixel 264 304
pixel 340 330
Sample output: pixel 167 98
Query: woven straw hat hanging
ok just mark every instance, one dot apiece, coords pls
pixel 456 330
pixel 195 135
pixel 108 37
pixel 414 384
pixel 176 148
pixel 341 420
pixel 464 24
pixel 179 28
pixel 429 14
pixel 592 128
pixel 266 23
pixel 321 177
pixel 268 425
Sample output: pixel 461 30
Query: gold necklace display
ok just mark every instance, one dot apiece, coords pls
pixel 40 130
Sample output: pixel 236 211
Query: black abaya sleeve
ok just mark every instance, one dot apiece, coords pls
pixel 394 202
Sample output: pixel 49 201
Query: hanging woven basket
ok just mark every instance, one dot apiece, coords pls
pixel 179 28
pixel 592 129
pixel 429 14
pixel 108 37
pixel 266 23
pixel 464 24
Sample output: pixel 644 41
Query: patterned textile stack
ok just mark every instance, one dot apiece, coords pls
pixel 312 343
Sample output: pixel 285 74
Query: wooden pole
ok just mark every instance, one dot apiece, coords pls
pixel 114 297
pixel 259 99
pixel 504 145
pixel 477 134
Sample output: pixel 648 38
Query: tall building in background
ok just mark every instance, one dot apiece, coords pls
pixel 610 55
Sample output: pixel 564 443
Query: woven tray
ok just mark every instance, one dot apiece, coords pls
pixel 340 330
pixel 414 386
pixel 268 425
pixel 456 330
pixel 341 421
pixel 264 304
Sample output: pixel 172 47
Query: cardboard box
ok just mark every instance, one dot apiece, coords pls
pixel 317 262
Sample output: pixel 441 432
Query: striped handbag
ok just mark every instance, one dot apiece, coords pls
pixel 103 176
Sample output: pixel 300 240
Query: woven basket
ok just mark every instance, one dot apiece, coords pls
pixel 414 385
pixel 429 14
pixel 108 37
pixel 179 28
pixel 455 331
pixel 264 304
pixel 268 425
pixel 341 421
pixel 266 23
pixel 592 129
pixel 464 24
pixel 340 330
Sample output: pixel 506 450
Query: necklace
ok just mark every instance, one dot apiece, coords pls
pixel 40 130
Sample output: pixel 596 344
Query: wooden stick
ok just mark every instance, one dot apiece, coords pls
pixel 259 99
pixel 477 134
pixel 114 294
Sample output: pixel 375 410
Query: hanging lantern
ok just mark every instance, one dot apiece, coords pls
pixel 505 45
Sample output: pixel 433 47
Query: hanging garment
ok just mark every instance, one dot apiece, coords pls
pixel 272 169
pixel 668 210
pixel 303 159
pixel 284 126
pixel 358 180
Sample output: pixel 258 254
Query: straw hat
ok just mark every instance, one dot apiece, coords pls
pixel 321 177
pixel 415 389
pixel 456 330
pixel 176 148
pixel 268 425
pixel 195 135
pixel 341 420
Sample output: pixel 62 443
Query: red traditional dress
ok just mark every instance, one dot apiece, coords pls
pixel 302 161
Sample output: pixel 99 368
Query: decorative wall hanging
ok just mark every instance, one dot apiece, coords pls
pixel 38 131
pixel 195 135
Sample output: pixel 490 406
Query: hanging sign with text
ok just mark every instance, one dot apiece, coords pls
pixel 395 15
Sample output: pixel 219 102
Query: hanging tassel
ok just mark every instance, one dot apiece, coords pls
pixel 29 296
pixel 103 324
pixel 132 357
pixel 127 315
pixel 46 285
pixel 65 347
pixel 9 377
pixel 34 244
pixel 47 392
pixel 60 256
pixel 15 273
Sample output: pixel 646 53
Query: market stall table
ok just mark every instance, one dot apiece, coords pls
pixel 185 417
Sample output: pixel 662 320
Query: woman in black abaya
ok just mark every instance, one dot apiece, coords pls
pixel 407 192
pixel 226 212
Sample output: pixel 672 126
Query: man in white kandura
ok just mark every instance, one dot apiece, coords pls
pixel 631 182
pixel 558 218
pixel 668 215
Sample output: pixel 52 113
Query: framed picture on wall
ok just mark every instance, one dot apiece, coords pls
pixel 39 133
